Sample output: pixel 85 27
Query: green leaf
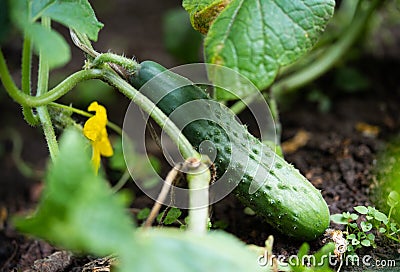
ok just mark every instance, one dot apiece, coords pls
pixel 318 261
pixel 38 6
pixel 350 248
pixel 174 250
pixel 256 38
pixel 351 236
pixel 220 224
pixel 321 256
pixel 393 199
pixel 361 235
pixel 172 215
pixel 346 214
pixel 355 242
pixel 361 209
pixel 77 15
pixel 143 214
pixel 78 211
pixel 366 243
pixel 339 219
pixel 366 226
pixel 382 230
pixel 304 248
pixel 381 217
pixel 50 44
pixel 19 12
pixel 353 216
pixel 353 225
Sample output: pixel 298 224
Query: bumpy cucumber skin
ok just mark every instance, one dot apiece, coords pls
pixel 287 200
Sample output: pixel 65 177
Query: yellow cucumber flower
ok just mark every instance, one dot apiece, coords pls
pixel 95 130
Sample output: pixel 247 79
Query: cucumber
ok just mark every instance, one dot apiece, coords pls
pixel 285 199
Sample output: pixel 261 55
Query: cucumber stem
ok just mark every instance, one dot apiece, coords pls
pixel 150 108
pixel 129 65
pixel 199 177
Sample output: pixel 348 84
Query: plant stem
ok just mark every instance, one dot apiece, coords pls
pixel 198 177
pixel 48 131
pixel 390 212
pixel 120 64
pixel 122 181
pixel 128 64
pixel 330 57
pixel 61 89
pixel 26 79
pixel 42 87
pixel 150 108
pixel 240 105
pixel 163 194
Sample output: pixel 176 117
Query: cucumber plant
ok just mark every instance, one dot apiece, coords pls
pixel 79 212
pixel 362 233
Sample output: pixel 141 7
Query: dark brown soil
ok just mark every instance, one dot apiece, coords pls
pixel 338 159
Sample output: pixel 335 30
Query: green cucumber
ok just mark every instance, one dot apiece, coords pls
pixel 285 199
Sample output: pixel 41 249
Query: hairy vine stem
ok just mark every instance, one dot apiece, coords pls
pixel 61 89
pixel 42 87
pixel 26 79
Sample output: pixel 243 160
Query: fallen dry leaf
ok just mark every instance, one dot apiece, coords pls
pixel 367 130
pixel 299 140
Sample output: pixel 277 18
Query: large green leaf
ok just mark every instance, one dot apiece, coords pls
pixel 77 14
pixel 38 6
pixel 78 211
pixel 174 250
pixel 257 37
pixel 50 43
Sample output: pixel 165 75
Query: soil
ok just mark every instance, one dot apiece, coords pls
pixel 338 157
